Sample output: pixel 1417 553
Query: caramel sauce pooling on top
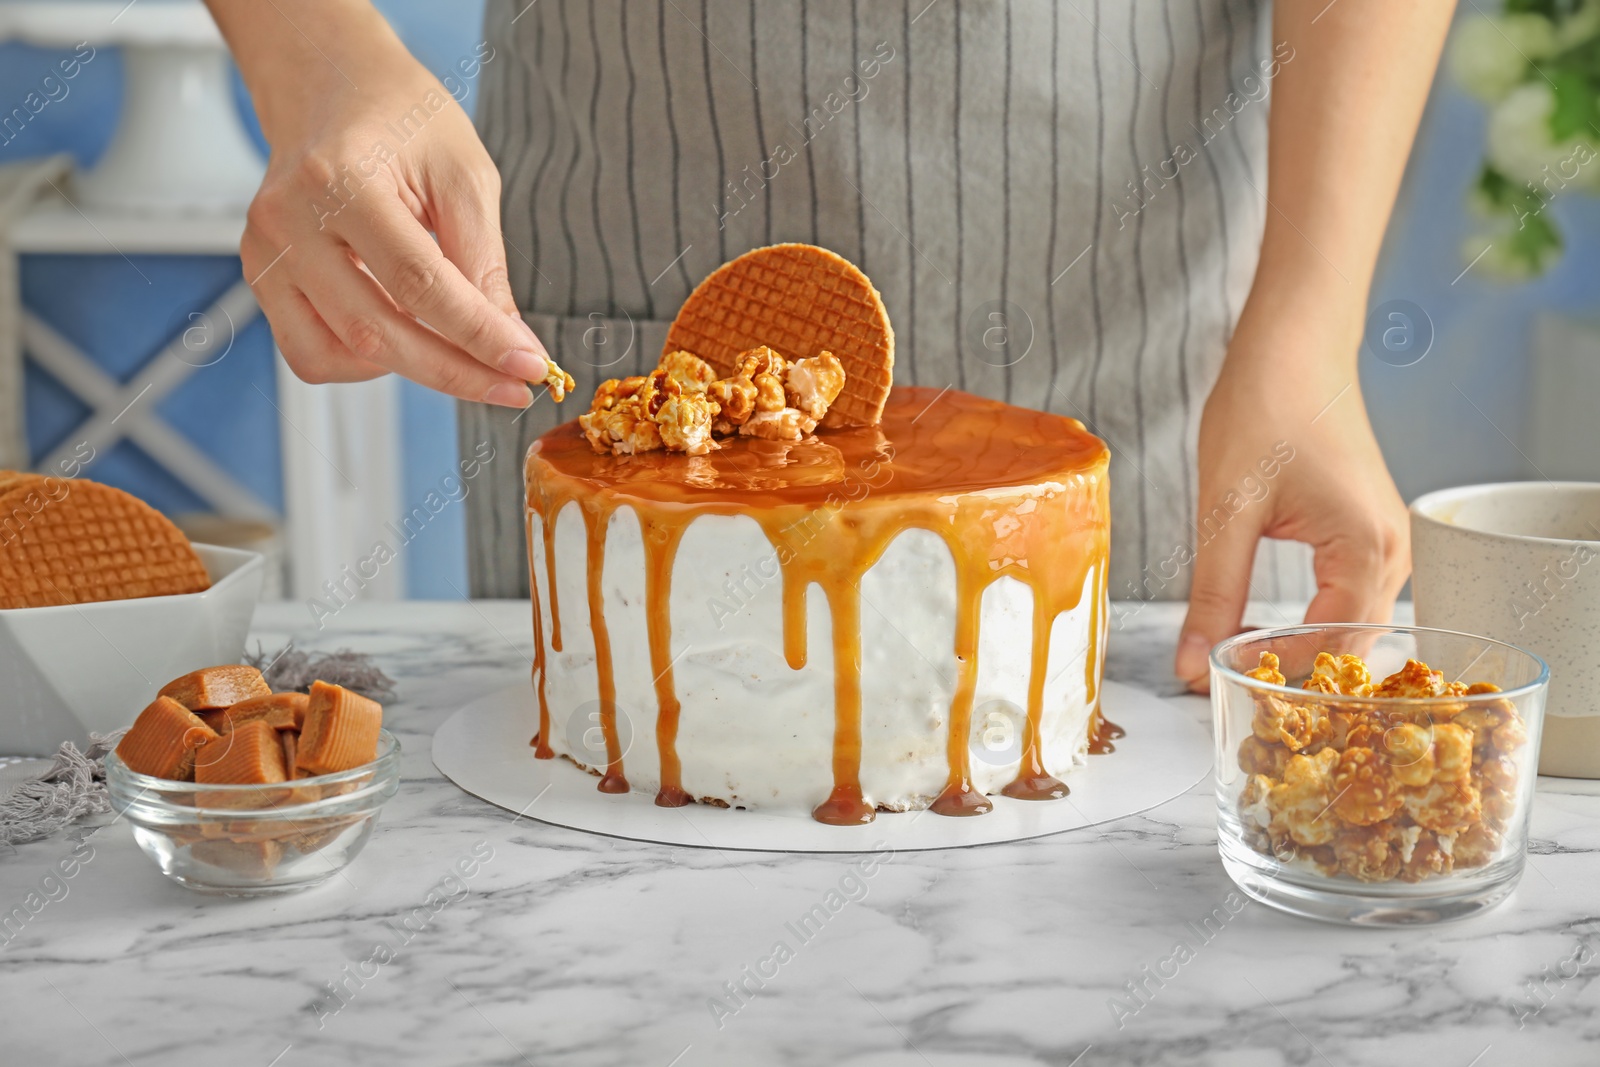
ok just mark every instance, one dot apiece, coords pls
pixel 1011 491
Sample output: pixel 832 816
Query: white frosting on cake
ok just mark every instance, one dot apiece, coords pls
pixel 754 732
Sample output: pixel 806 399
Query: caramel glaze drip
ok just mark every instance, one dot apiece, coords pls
pixel 1011 492
pixel 541 742
pixel 662 532
pixel 1102 731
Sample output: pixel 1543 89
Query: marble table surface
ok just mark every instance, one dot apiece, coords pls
pixel 565 948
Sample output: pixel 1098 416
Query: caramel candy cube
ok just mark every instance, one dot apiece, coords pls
pixel 249 754
pixel 163 740
pixel 340 732
pixel 281 711
pixel 289 741
pixel 251 859
pixel 214 688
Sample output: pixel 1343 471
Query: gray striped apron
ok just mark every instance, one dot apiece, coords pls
pixel 1060 202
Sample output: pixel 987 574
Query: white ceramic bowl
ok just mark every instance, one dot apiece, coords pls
pixel 1520 562
pixel 81 667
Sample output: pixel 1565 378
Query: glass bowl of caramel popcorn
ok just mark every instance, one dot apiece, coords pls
pixel 1375 774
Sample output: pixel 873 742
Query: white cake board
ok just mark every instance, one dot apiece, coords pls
pixel 484 749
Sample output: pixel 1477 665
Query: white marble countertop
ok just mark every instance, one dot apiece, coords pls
pixel 573 949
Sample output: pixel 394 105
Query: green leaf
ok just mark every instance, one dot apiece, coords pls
pixel 1547 8
pixel 1575 104
pixel 1554 10
pixel 1535 242
pixel 1495 187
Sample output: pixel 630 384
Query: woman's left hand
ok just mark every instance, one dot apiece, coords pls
pixel 1286 451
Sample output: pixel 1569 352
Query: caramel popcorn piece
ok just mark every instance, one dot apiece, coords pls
pixel 1452 752
pixel 619 418
pixel 769 393
pixel 1412 680
pixel 1259 757
pixel 1325 858
pixel 1445 807
pixel 1320 683
pixel 1267 671
pixel 736 399
pixel 557 382
pixel 692 373
pixel 761 360
pixel 1422 856
pixel 1370 854
pixel 1301 801
pixel 684 423
pixel 814 384
pixel 1292 724
pixel 1254 808
pixel 1364 789
pixel 1411 756
pixel 1346 674
pixel 1473 847
pixel 1510 735
pixel 785 425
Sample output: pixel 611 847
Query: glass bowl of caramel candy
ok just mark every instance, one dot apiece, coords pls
pixel 1375 774
pixel 246 840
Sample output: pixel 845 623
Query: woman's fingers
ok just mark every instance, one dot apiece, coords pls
pixel 421 279
pixel 367 322
pixel 1217 597
pixel 310 349
pixel 466 220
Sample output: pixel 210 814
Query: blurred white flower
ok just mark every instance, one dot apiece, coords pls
pixel 1489 56
pixel 1521 146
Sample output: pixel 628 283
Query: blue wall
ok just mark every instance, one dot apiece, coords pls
pixel 113 314
pixel 1431 434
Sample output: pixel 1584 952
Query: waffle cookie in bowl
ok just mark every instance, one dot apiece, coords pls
pixel 77 542
pixel 763 579
pixel 99 593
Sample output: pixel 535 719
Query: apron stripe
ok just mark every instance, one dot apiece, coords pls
pixel 1005 204
pixel 762 145
pixel 632 165
pixel 1183 270
pixel 1050 397
pixel 1144 485
pixel 912 268
pixel 960 199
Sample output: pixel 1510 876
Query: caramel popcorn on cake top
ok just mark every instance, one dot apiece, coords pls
pixel 682 406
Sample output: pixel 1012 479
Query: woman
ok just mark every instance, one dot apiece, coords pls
pixel 1082 206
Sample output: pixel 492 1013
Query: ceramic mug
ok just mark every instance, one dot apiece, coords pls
pixel 1520 562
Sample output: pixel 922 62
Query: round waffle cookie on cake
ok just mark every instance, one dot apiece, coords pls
pixel 762 578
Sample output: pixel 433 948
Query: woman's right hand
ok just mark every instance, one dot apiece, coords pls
pixel 370 154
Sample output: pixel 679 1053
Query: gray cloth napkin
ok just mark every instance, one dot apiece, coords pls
pixel 35 805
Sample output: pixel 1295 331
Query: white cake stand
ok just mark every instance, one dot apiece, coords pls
pixel 484 749
pixel 180 146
